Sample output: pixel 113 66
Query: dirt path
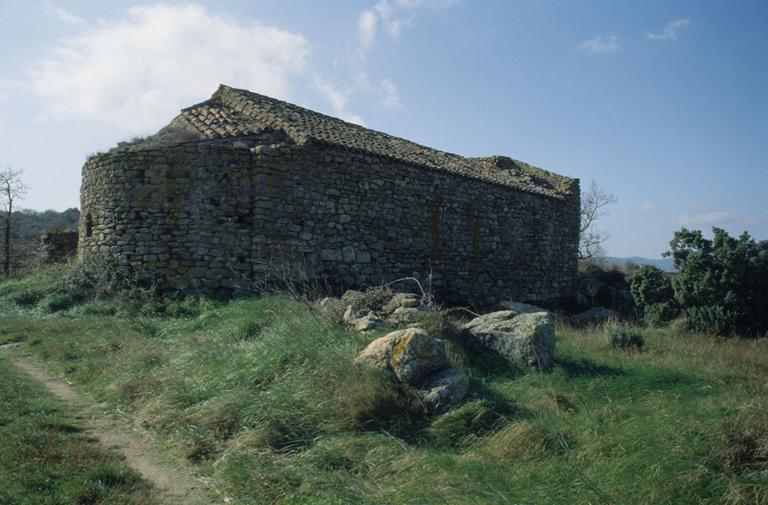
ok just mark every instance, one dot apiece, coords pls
pixel 177 486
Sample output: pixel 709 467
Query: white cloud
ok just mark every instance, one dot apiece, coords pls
pixel 670 30
pixel 602 44
pixel 6 87
pixel 54 11
pixel 338 99
pixel 706 218
pixel 391 96
pixel 366 28
pixel 392 24
pixel 390 15
pixel 137 73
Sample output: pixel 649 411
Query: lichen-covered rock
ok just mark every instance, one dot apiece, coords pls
pixel 353 313
pixel 352 296
pixel 411 354
pixel 443 390
pixel 368 322
pixel 401 300
pixel 522 339
pixel 595 315
pixel 411 316
pixel 520 307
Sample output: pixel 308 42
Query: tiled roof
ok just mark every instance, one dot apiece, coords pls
pixel 234 112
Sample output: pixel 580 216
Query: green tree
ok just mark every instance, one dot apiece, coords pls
pixel 652 292
pixel 722 283
pixel 650 285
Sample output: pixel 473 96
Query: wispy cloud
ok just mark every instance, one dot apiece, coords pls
pixel 391 96
pixel 393 16
pixel 670 30
pixel 706 218
pixel 137 72
pixel 338 99
pixel 366 28
pixel 389 17
pixel 602 44
pixel 54 11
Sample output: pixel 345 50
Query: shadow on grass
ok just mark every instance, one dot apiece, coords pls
pixel 499 403
pixel 587 368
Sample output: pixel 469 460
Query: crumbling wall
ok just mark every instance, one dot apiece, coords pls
pixel 216 216
pixel 57 246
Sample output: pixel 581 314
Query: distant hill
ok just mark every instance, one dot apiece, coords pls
pixel 666 264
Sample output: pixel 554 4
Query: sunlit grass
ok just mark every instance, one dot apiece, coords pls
pixel 262 395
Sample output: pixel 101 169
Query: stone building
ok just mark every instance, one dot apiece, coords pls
pixel 243 186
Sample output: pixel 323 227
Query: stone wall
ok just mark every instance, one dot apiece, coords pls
pixel 218 215
pixel 57 246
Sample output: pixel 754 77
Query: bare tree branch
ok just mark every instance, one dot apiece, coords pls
pixel 593 206
pixel 12 188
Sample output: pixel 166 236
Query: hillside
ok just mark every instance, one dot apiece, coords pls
pixel 665 264
pixel 260 395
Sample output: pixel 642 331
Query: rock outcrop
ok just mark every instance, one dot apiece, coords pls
pixel 595 315
pixel 418 361
pixel 523 339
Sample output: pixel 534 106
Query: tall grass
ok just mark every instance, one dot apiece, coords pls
pixel 262 395
pixel 46 458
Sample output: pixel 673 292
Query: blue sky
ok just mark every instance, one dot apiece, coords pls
pixel 663 103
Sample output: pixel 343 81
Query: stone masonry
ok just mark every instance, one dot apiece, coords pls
pixel 57 246
pixel 243 186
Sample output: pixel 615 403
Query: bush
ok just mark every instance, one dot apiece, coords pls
pixel 98 277
pixel 714 319
pixel 653 295
pixel 657 314
pixel 722 283
pixel 625 338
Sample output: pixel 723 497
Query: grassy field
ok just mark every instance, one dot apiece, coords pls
pixel 261 395
pixel 45 459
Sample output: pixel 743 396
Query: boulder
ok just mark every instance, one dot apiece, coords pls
pixel 444 390
pixel 353 313
pixel 352 296
pixel 410 316
pixel 366 323
pixel 595 315
pixel 522 339
pixel 520 307
pixel 401 300
pixel 411 354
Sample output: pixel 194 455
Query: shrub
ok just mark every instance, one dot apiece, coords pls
pixel 98 277
pixel 715 319
pixel 722 283
pixel 625 338
pixel 649 285
pixel 656 314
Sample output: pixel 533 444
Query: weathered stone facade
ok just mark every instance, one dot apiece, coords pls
pixel 57 246
pixel 242 186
